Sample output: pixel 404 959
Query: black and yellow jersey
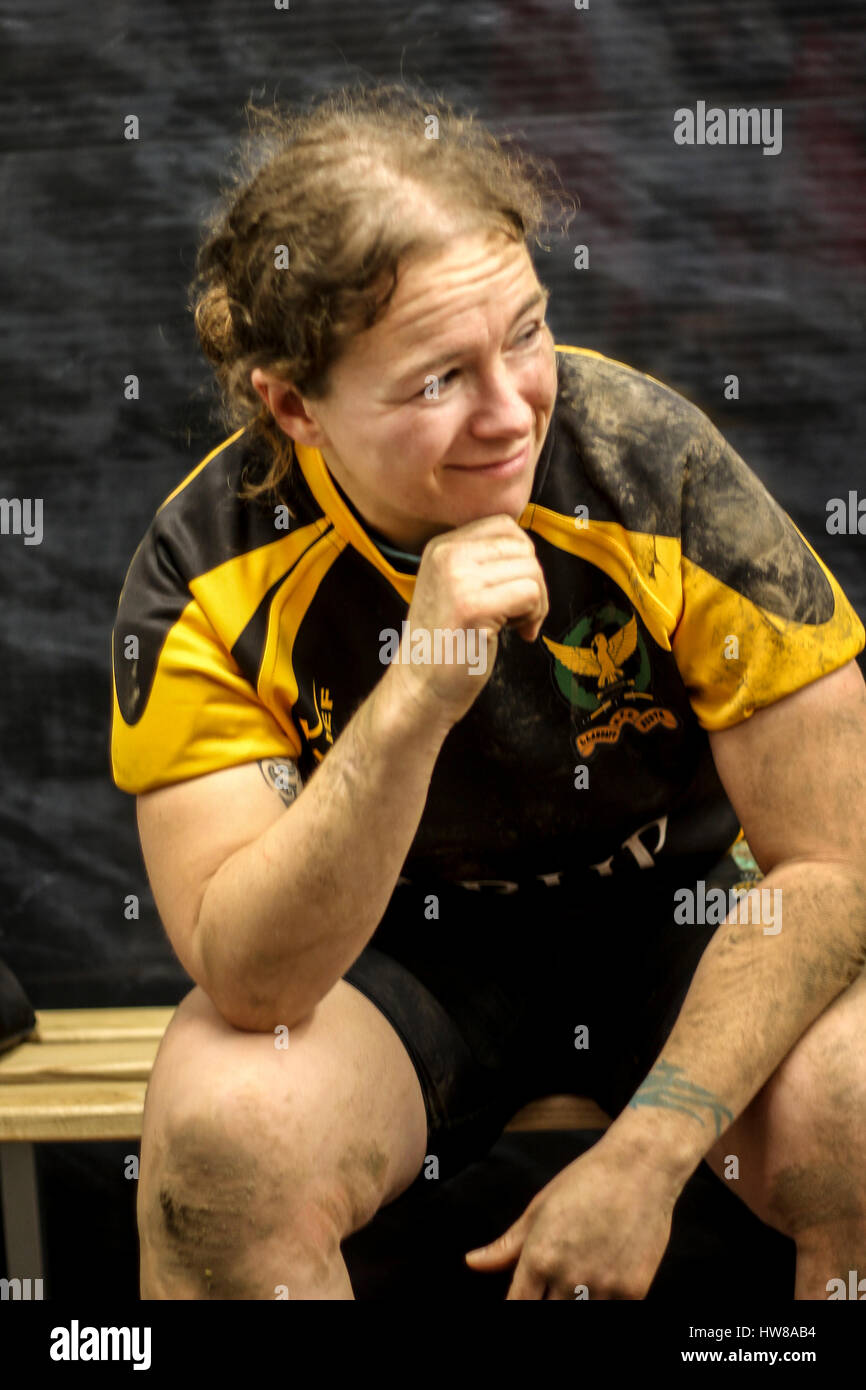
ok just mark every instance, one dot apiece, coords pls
pixel 682 599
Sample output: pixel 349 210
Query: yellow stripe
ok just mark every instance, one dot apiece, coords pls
pixel 188 479
pixel 627 557
pixel 321 485
pixel 278 684
pixel 205 461
pixel 233 590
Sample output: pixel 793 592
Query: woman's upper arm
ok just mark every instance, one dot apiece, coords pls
pixel 189 829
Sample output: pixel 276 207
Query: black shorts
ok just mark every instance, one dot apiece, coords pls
pixel 490 996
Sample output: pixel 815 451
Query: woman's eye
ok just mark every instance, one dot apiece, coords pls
pixel 433 383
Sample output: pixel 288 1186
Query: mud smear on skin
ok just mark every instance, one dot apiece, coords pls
pixel 209 1208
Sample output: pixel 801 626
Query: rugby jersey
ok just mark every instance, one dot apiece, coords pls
pixel 682 599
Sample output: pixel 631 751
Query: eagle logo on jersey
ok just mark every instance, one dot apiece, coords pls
pixel 602 667
pixel 602 657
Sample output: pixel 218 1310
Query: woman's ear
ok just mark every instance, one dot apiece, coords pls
pixel 288 408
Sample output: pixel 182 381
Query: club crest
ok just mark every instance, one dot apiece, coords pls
pixel 602 669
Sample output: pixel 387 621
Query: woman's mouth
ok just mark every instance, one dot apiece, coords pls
pixel 500 468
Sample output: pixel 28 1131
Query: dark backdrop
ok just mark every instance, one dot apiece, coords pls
pixel 704 261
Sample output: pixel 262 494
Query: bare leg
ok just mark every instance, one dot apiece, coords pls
pixel 801 1146
pixel 257 1161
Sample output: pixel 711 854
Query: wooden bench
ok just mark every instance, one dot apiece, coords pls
pixel 83 1073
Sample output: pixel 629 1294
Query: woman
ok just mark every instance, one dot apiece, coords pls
pixel 318 622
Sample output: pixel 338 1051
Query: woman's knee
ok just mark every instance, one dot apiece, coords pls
pixel 244 1158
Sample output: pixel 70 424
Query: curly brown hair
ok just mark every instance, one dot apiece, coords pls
pixel 324 206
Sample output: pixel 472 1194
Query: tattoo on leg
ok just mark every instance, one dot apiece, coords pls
pixel 282 777
pixel 667 1088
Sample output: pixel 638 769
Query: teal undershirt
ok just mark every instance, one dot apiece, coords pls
pixel 397 554
pixel 387 549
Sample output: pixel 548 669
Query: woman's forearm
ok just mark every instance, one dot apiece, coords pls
pixel 752 997
pixel 285 916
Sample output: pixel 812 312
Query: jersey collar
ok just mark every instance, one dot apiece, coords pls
pixel 345 523
pixel 349 528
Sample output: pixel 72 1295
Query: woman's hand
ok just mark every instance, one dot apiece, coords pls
pixel 599 1229
pixel 477 578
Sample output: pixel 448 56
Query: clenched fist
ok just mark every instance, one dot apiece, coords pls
pixel 473 580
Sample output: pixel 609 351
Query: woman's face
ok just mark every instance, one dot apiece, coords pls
pixel 457 376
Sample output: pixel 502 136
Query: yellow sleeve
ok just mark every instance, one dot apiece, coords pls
pixel 762 615
pixel 192 714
